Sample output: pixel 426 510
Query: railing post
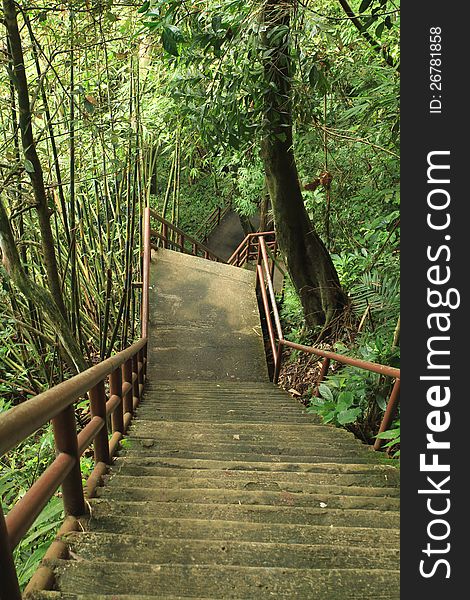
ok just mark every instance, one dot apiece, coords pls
pixel 98 409
pixel 389 413
pixel 141 369
pixel 323 373
pixel 115 389
pixel 194 249
pixel 165 235
pixel 127 378
pixel 278 362
pixel 135 379
pixel 65 437
pixel 248 249
pixel 145 357
pixel 273 266
pixel 10 589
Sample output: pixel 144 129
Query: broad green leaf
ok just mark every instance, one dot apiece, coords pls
pixel 364 5
pixel 144 8
pixel 348 416
pixel 326 392
pixel 28 165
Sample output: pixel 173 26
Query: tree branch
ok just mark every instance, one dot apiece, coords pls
pixel 366 35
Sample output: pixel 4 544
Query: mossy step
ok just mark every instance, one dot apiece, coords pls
pixel 202 529
pixel 248 513
pixel 247 483
pixel 127 549
pixel 54 595
pixel 222 417
pixel 244 497
pixel 216 409
pixel 227 581
pixel 175 260
pixel 195 464
pixel 174 478
pixel 342 457
pixel 170 385
pixel 304 432
pixel 133 444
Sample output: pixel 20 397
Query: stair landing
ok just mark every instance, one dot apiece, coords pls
pixel 204 321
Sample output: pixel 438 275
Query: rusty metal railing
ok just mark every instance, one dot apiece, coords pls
pixel 212 221
pixel 249 248
pixel 173 238
pixel 263 248
pixel 124 376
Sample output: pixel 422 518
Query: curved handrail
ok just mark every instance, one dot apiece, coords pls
pixel 277 342
pixel 212 221
pixel 196 246
pixel 126 373
pixel 23 420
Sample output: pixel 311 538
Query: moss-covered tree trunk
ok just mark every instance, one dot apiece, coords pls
pixel 309 264
pixel 32 162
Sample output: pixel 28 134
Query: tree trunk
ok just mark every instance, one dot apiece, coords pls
pixel 33 164
pixel 309 264
pixel 38 295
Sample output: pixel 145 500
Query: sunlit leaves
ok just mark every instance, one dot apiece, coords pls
pixel 172 36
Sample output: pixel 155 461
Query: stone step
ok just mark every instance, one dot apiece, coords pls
pixel 175 260
pixel 174 478
pixel 277 432
pixel 246 497
pixel 224 416
pixel 329 455
pixel 127 548
pixel 226 581
pixel 279 447
pixel 54 595
pixel 248 513
pixel 193 465
pixel 213 529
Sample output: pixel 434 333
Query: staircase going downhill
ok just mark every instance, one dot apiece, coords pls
pixel 224 487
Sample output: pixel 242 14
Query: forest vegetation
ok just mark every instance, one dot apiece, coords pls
pixel 284 108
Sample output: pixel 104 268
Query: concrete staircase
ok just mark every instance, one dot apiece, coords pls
pixel 224 487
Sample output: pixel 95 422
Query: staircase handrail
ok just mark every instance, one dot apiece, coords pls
pixel 125 373
pixel 264 284
pixel 212 221
pixel 181 239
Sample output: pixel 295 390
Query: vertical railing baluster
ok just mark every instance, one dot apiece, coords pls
pixel 115 389
pixel 98 409
pixel 278 362
pixel 135 379
pixel 323 373
pixel 10 589
pixel 127 378
pixel 165 235
pixel 389 413
pixel 65 437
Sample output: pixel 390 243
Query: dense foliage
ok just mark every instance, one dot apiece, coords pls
pixel 165 103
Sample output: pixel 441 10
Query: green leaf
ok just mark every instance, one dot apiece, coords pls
pixel 364 5
pixel 348 416
pixel 345 399
pixel 326 392
pixel 28 165
pixel 217 22
pixel 144 8
pixel 391 434
pixel 171 37
pixel 379 29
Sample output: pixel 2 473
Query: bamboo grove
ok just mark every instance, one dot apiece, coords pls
pixel 75 203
